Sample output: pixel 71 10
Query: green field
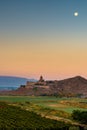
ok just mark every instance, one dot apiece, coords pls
pixel 63 104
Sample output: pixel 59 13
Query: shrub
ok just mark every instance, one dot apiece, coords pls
pixel 80 116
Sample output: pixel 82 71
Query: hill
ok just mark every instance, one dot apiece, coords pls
pixel 15 118
pixel 75 86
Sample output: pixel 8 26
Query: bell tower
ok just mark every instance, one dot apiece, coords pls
pixel 41 79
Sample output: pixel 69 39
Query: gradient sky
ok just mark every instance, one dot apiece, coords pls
pixel 43 37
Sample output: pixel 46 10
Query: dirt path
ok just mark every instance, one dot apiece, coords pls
pixel 67 121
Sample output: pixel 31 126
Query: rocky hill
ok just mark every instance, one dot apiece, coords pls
pixel 75 86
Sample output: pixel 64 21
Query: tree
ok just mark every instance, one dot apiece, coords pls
pixel 80 116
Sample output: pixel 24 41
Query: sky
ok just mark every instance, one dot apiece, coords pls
pixel 43 37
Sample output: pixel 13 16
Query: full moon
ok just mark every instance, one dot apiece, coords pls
pixel 76 13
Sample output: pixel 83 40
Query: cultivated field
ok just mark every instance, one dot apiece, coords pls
pixel 66 105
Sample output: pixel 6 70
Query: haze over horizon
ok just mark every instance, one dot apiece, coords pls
pixel 43 37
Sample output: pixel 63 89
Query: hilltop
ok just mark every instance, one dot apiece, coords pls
pixel 75 86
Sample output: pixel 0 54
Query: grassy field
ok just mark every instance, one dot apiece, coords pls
pixel 63 104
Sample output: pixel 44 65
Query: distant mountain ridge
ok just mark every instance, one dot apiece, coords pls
pixel 13 81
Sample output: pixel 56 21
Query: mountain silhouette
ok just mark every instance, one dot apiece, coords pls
pixel 12 81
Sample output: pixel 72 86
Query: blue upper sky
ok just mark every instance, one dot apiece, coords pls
pixel 42 15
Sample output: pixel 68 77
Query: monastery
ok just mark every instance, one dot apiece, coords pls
pixel 41 83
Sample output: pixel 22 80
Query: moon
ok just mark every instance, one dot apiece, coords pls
pixel 76 14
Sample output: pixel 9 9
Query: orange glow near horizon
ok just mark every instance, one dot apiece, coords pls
pixel 49 59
